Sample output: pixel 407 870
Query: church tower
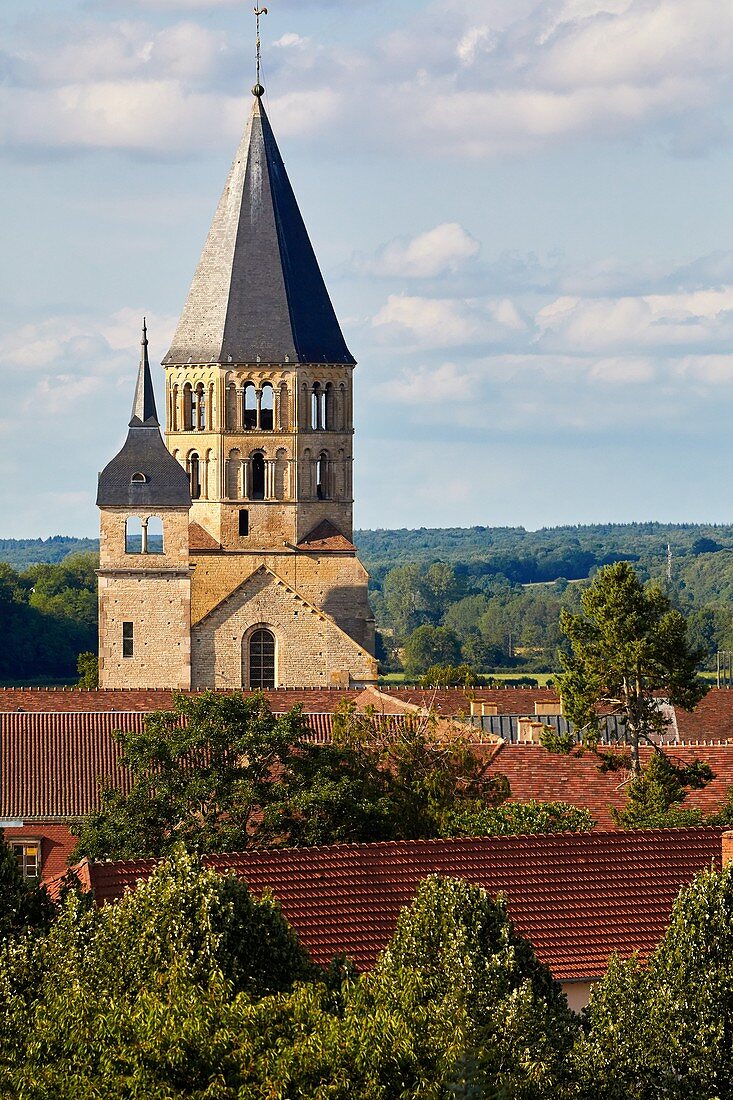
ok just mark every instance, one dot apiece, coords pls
pixel 144 572
pixel 260 430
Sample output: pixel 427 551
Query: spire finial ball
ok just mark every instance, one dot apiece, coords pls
pixel 258 91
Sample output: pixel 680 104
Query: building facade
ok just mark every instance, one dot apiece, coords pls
pixel 226 554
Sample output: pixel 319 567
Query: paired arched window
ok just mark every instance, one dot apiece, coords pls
pixel 144 536
pixel 261 660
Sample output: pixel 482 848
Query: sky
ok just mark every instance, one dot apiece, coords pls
pixel 523 212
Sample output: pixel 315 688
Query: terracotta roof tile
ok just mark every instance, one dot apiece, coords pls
pixel 534 773
pixel 200 539
pixel 326 536
pixel 577 897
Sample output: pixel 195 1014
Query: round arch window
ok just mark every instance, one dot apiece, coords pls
pixel 262 660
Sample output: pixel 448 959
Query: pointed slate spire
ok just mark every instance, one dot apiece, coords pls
pixel 258 294
pixel 144 473
pixel 144 413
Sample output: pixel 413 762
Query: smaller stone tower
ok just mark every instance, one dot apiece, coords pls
pixel 144 572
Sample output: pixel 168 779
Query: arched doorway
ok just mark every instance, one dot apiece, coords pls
pixel 261 662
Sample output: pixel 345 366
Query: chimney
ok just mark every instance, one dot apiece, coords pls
pixel 726 842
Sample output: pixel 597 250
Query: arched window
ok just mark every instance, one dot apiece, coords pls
pixel 155 535
pixel 250 406
pixel 266 408
pixel 318 406
pixel 329 421
pixel 138 479
pixel 234 474
pixel 194 475
pixel 342 424
pixel 322 476
pixel 231 407
pixel 258 477
pixel 133 536
pixel 284 407
pixel 262 660
pixel 187 408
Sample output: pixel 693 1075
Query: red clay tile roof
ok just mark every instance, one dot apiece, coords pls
pixel 199 539
pixel 325 536
pixel 455 701
pixel 50 763
pixel 149 699
pixel 577 897
pixel 534 773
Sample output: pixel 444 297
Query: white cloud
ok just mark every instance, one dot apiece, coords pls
pixel 290 40
pixel 440 84
pixel 435 252
pixel 437 322
pixel 426 385
pixel 681 320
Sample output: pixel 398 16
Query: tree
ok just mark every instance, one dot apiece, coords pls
pixel 87 665
pixel 430 645
pixel 664 1032
pixel 450 676
pixel 481 1011
pixel 134 999
pixel 627 646
pixel 654 796
pixel 201 774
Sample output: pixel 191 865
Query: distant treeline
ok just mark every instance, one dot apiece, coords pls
pixel 486 596
pixel 48 615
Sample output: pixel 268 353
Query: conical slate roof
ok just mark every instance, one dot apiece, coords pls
pixel 258 294
pixel 144 473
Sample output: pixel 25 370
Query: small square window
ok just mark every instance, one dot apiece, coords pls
pixel 127 640
pixel 243 521
pixel 28 855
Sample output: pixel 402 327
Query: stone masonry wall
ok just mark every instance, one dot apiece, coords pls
pixel 337 583
pixel 159 607
pixel 311 650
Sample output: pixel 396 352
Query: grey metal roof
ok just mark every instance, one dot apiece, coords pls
pixel 258 294
pixel 165 483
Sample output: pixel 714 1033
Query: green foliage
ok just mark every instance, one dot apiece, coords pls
pixel 222 773
pixel 429 646
pixel 664 1032
pixel 478 1005
pixel 202 774
pixel 450 676
pixel 654 796
pixel 48 616
pixel 517 817
pixel 556 742
pixel 87 665
pixel 23 904
pixel 627 644
pixel 183 990
pixel 132 999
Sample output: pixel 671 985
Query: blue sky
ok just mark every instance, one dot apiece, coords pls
pixel 522 210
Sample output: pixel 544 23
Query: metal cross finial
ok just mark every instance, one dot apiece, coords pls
pixel 258 12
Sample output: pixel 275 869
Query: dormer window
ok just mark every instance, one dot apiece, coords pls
pixel 138 478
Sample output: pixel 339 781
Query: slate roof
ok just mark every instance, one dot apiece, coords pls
pixel 258 294
pixel 165 483
pixel 577 897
